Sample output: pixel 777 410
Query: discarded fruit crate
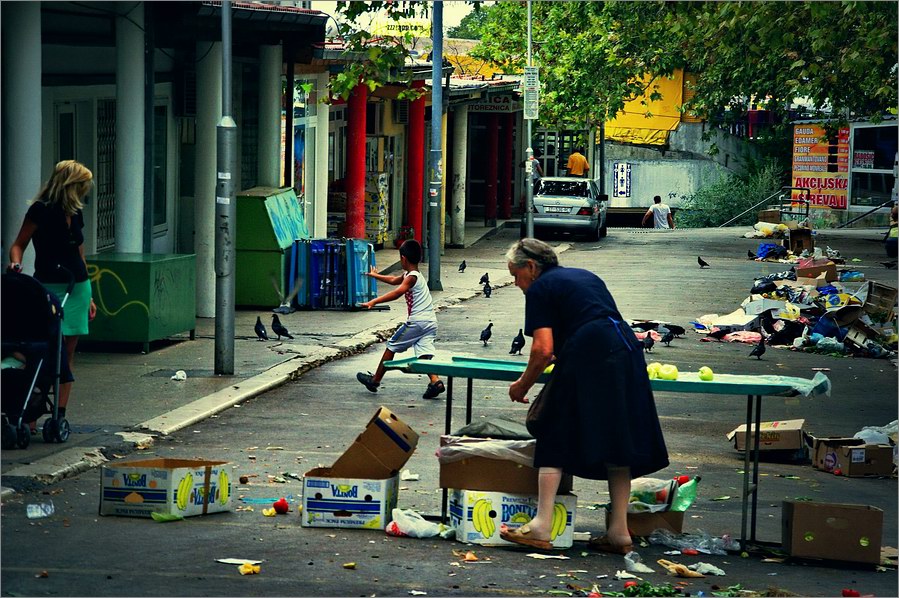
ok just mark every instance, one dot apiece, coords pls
pixel 881 302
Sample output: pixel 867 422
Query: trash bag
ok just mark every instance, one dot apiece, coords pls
pixel 495 427
pixel 785 275
pixel 407 522
pixel 878 434
pixel 651 495
pixel 830 345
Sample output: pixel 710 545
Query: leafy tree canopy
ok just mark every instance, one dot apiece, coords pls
pixel 593 55
pixel 471 24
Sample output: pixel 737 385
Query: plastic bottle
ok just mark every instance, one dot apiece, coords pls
pixel 685 496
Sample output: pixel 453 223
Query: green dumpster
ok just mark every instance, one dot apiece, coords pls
pixel 269 220
pixel 142 297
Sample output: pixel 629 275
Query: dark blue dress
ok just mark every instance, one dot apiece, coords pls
pixel 602 409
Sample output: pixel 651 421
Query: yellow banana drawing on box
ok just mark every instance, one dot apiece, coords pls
pixel 560 521
pixel 481 519
pixel 224 487
pixel 182 493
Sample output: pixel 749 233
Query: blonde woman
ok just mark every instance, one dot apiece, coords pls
pixel 54 223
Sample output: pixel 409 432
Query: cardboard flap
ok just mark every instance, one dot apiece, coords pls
pixel 380 450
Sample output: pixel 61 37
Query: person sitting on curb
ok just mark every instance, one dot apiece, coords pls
pixel 420 328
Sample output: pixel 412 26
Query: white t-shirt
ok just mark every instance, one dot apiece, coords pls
pixel 418 300
pixel 660 213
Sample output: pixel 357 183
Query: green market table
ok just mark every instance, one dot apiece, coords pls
pixel 753 387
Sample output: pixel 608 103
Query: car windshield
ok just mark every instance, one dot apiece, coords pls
pixel 569 188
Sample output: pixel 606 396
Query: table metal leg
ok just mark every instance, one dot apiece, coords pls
pixel 468 402
pixel 755 465
pixel 746 475
pixel 448 420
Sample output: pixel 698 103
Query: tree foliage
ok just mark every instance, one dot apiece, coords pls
pixel 472 24
pixel 593 55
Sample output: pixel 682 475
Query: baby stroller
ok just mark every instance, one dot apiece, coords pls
pixel 33 358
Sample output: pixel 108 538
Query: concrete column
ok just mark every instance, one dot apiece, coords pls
pixel 492 163
pixel 460 174
pixel 443 135
pixel 269 169
pixel 355 162
pixel 130 130
pixel 319 226
pixel 21 125
pixel 209 113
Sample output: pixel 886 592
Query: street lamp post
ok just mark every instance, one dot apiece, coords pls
pixel 529 209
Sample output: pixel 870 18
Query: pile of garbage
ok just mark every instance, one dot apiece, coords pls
pixel 812 307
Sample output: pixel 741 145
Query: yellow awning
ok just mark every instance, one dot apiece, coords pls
pixel 631 125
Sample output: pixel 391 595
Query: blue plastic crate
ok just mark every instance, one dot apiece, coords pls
pixel 328 274
pixel 298 273
pixel 360 258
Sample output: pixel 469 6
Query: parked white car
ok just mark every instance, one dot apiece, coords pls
pixel 569 204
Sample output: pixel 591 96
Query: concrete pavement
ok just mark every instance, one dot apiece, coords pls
pixel 123 400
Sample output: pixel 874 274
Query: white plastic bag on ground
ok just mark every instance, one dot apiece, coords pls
pixel 878 434
pixel 407 522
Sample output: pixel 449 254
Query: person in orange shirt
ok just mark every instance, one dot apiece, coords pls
pixel 577 163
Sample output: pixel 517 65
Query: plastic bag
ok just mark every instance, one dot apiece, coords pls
pixel 686 494
pixel 830 345
pixel 651 495
pixel 407 522
pixel 633 563
pixel 700 541
pixel 459 448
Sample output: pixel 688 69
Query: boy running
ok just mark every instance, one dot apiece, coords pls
pixel 420 328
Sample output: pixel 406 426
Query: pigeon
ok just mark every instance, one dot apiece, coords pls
pixel 648 342
pixel 260 329
pixel 488 290
pixel 702 262
pixel 758 350
pixel 286 307
pixel 485 279
pixel 517 343
pixel 486 333
pixel 667 338
pixel 278 328
pixel 462 266
pixel 889 265
pixel 750 255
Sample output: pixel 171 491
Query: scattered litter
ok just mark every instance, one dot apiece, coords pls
pixel 349 565
pixel 278 479
pixel 543 557
pixel 677 569
pixel 45 574
pixel 274 448
pixel 721 498
pixel 774 560
pixel 249 569
pixel 626 575
pixel 417 593
pixel 180 376
pixel 407 522
pixel 707 569
pixel 230 561
pixel 700 541
pixel 270 512
pixel 165 517
pixel 408 476
pixel 672 552
pixel 634 563
pixel 39 510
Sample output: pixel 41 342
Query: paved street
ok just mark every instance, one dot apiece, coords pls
pixel 311 420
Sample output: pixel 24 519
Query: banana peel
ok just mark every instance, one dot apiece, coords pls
pixel 678 570
pixel 249 569
pixel 270 512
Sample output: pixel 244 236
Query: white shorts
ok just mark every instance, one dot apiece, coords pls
pixel 418 335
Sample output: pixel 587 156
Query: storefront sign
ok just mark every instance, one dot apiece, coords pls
pixel 863 159
pixel 496 104
pixel 821 165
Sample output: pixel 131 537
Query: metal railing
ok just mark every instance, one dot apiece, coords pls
pixel 871 211
pixel 769 198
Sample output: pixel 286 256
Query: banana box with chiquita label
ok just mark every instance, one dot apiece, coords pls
pixel 477 516
pixel 184 487
pixel 330 501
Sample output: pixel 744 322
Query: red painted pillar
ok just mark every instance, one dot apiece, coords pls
pixel 355 163
pixel 415 163
pixel 492 161
pixel 506 176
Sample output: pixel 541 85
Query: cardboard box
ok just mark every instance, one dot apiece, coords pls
pixel 380 451
pixel 737 320
pixel 334 501
pixel 771 216
pixel 800 239
pixel 477 516
pixel 495 475
pixel 184 487
pixel 643 524
pixel 832 531
pixel 784 435
pixel 881 302
pixel 760 306
pixel 852 457
pixel 811 268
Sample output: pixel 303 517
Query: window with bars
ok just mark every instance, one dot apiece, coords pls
pixel 104 174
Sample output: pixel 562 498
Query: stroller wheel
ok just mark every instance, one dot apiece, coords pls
pixel 47 430
pixel 9 436
pixel 62 430
pixel 23 436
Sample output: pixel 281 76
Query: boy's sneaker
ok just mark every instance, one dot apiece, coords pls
pixel 368 381
pixel 434 389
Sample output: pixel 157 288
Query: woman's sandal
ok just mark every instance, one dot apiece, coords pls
pixel 520 536
pixel 603 544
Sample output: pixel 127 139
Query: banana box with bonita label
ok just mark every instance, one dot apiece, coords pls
pixel 184 487
pixel 477 516
pixel 347 502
